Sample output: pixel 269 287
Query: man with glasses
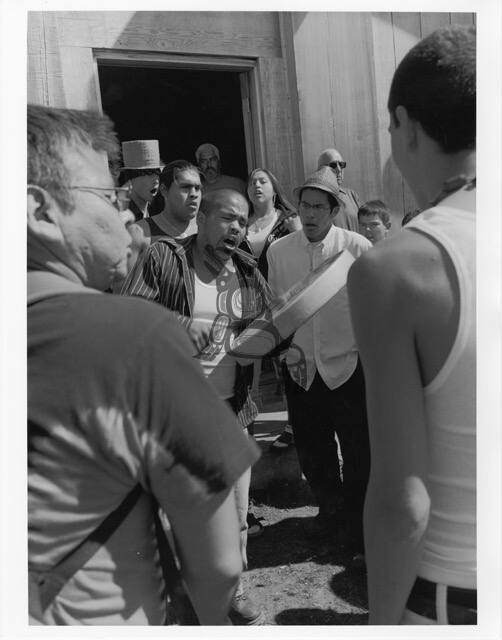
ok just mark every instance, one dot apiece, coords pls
pixel 208 160
pixel 141 170
pixel 327 397
pixel 112 433
pixel 347 216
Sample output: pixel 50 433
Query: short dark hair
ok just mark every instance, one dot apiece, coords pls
pixel 212 199
pixel 171 170
pixel 436 83
pixel 167 177
pixel 50 132
pixel 375 207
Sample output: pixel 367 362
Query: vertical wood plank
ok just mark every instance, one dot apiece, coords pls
pixel 293 110
pixel 45 77
pixel 407 32
pixel 432 21
pixel 79 76
pixel 311 42
pixel 385 64
pixel 466 19
pixel 353 108
pixel 277 130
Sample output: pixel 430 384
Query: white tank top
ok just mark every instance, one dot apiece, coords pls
pixel 218 366
pixel 449 554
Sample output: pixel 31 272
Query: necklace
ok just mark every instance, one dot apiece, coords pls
pixel 264 221
pixel 451 185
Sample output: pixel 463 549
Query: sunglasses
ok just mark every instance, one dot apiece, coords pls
pixel 338 164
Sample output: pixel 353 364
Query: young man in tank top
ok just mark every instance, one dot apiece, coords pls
pixel 412 301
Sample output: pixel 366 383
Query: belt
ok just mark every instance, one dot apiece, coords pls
pixel 461 603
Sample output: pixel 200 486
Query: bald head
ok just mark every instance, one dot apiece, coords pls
pixel 328 156
pixel 332 158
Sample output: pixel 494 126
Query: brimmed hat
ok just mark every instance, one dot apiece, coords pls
pixel 141 154
pixel 323 179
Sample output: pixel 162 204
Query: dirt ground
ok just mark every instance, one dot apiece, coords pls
pixel 297 580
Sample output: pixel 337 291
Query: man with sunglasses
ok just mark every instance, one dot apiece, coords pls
pixel 112 434
pixel 347 216
pixel 141 170
pixel 327 396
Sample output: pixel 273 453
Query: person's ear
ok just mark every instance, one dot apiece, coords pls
pixel 42 213
pixel 409 125
pixel 334 211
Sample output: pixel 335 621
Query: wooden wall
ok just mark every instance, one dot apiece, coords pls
pixel 323 76
pixel 344 64
pixel 62 72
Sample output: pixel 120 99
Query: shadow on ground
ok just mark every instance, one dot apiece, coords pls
pixel 283 493
pixel 319 616
pixel 353 584
pixel 285 543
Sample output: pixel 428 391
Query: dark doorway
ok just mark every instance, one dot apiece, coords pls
pixel 180 108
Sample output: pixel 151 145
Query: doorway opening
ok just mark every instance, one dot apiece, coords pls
pixel 181 108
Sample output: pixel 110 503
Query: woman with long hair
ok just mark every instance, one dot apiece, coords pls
pixel 271 214
pixel 271 217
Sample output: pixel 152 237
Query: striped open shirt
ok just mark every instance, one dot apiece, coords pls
pixel 164 273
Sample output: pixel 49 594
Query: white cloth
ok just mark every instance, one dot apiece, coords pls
pixel 218 366
pixel 326 340
pixel 449 554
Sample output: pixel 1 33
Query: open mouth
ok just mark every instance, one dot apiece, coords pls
pixel 230 244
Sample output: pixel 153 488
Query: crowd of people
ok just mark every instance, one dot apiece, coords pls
pixel 140 416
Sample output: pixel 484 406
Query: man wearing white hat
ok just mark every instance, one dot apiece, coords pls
pixel 142 167
pixel 208 160
pixel 326 395
pixel 347 216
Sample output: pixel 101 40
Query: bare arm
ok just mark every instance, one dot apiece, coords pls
pixel 397 502
pixel 208 547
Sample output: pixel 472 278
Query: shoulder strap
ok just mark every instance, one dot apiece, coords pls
pixel 183 611
pixel 54 580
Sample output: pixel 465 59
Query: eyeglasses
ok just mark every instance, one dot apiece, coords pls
pixel 306 206
pixel 338 164
pixel 118 197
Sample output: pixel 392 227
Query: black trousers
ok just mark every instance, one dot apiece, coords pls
pixel 316 415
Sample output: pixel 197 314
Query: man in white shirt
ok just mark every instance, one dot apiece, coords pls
pixel 325 385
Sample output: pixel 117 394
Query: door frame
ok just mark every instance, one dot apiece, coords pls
pixel 247 69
